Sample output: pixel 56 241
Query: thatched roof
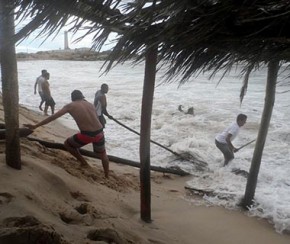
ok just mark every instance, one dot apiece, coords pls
pixel 191 34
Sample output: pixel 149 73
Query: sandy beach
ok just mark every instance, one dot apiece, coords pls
pixel 54 200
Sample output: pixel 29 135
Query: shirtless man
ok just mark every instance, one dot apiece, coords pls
pixel 91 130
pixel 49 102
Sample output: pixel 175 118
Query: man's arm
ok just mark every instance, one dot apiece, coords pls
pixel 58 114
pixel 35 85
pixel 103 101
pixel 96 100
pixel 228 140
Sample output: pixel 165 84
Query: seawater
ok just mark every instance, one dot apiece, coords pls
pixel 216 104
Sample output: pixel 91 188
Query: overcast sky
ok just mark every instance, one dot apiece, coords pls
pixel 55 42
pixel 33 44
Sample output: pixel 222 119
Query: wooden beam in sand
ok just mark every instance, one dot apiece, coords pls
pixel 175 170
pixel 23 132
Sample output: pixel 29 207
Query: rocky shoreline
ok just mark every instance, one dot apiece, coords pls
pixel 83 54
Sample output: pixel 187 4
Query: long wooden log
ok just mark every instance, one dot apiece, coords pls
pixel 23 132
pixel 210 192
pixel 175 170
pixel 201 165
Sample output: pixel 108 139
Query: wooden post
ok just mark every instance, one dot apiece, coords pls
pixel 273 68
pixel 9 83
pixel 147 103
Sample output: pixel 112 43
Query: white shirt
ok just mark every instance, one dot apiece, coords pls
pixel 97 102
pixel 233 129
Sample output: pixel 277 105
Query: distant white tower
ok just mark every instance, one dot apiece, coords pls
pixel 66 47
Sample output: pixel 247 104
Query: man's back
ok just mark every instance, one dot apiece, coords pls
pixel 38 83
pixel 84 114
pixel 45 88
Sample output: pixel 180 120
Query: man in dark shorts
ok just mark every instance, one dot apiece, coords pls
pixel 38 85
pixel 100 103
pixel 49 102
pixel 91 130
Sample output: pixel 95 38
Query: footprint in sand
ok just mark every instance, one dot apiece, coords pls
pixel 79 196
pixel 27 229
pixel 82 209
pixel 106 235
pixel 87 209
pixel 71 217
pixel 5 197
pixel 83 214
pixel 26 221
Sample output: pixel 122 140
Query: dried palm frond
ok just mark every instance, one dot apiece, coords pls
pixel 193 36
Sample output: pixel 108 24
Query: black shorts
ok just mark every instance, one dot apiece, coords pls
pixel 49 101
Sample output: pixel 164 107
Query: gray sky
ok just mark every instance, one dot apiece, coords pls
pixel 33 44
pixel 55 42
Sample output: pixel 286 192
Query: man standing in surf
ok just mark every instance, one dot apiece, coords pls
pixel 100 103
pixel 38 85
pixel 223 140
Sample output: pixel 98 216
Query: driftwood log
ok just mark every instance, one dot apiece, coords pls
pixel 23 132
pixel 200 164
pixel 200 191
pixel 175 170
pixel 210 192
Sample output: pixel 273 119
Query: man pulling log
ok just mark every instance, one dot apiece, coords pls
pixel 91 130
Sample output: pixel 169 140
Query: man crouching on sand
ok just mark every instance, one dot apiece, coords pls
pixel 91 130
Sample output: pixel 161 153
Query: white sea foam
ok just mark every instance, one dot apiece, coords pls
pixel 215 108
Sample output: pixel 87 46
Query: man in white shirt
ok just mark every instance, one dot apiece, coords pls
pixel 100 103
pixel 224 139
pixel 38 84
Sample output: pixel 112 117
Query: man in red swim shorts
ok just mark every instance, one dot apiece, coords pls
pixel 91 130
